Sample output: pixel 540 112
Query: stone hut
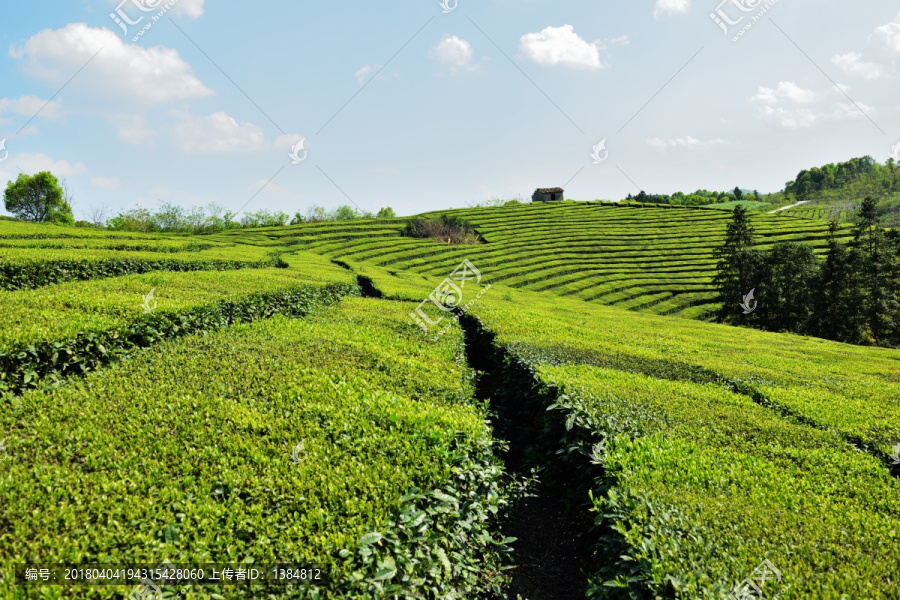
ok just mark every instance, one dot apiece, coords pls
pixel 548 195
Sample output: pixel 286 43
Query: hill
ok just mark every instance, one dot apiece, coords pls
pixel 655 258
pixel 370 410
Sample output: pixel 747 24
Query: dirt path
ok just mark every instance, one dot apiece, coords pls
pixel 772 212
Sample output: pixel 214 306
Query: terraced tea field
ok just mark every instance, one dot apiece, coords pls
pixel 658 260
pixel 268 397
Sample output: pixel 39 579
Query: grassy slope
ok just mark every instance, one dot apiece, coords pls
pixel 658 260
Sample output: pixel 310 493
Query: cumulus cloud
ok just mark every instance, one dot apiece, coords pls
pixel 454 51
pixel 120 70
pixel 29 106
pixel 685 143
pixel 785 91
pixel 671 7
pixel 560 46
pixel 35 162
pixel 888 35
pixel 217 133
pixel 853 64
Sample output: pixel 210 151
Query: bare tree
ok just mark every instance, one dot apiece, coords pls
pixel 97 215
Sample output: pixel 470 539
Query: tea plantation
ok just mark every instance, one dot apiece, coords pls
pixel 269 396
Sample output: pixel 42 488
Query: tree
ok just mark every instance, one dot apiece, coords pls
pixel 877 266
pixel 783 288
pixel 38 198
pixel 345 213
pixel 837 301
pixel 738 193
pixel 737 266
pixel 386 213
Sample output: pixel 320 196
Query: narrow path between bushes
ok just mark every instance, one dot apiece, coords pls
pixel 552 551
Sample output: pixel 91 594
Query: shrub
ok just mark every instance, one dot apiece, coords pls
pixel 453 229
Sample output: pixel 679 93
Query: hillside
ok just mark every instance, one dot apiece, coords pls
pixel 269 397
pixel 655 258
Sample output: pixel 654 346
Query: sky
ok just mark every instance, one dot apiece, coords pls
pixel 423 105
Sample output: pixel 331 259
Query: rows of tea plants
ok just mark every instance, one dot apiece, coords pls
pixel 658 260
pixel 341 440
pixel 716 448
pixel 56 257
pixel 704 449
pixel 71 328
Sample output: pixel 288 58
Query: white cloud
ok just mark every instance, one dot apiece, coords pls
pixel 852 64
pixel 191 8
pixel 454 51
pixel 784 91
pixel 105 183
pixel 131 129
pixel 32 163
pixel 801 118
pixel 120 71
pixel 216 134
pixel 560 46
pixel 29 106
pixel 286 142
pixel 685 143
pixel 671 7
pixel 793 107
pixel 889 35
pixel 363 73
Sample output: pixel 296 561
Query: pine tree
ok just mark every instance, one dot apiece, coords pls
pixel 876 266
pixel 837 300
pixel 737 266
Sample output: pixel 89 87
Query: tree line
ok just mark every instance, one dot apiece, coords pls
pixel 41 198
pixel 852 294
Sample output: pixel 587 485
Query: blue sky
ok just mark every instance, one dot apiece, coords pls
pixel 404 104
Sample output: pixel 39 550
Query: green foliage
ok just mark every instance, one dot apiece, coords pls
pixel 43 363
pixel 738 264
pixel 185 454
pixel 386 212
pixel 452 228
pixel 38 198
